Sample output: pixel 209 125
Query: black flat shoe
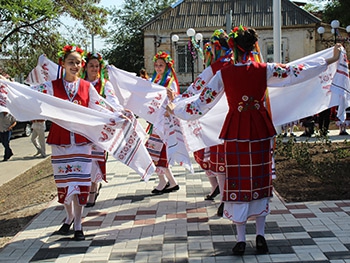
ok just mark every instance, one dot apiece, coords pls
pixel 261 245
pixel 79 235
pixel 172 189
pixel 64 230
pixel 239 249
pixel 157 192
pixel 90 204
pixel 213 195
pixel 220 211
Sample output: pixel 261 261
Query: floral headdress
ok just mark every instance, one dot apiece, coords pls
pixel 169 70
pixel 165 56
pixel 102 75
pixel 208 54
pixel 232 43
pixel 67 49
pixel 215 40
pixel 97 56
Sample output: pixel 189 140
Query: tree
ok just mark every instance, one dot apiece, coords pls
pixel 336 9
pixel 126 38
pixel 29 28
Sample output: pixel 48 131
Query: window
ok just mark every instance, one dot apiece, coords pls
pixel 269 51
pixel 184 62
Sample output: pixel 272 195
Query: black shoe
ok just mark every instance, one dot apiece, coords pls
pixel 261 245
pixel 220 211
pixel 7 157
pixel 172 189
pixel 64 230
pixel 157 192
pixel 79 235
pixel 90 204
pixel 213 195
pixel 343 133
pixel 239 249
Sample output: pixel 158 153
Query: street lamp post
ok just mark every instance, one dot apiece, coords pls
pixel 193 45
pixel 335 24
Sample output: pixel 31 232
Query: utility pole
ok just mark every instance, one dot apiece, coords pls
pixel 277 31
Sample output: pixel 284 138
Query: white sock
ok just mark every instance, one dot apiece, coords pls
pixel 240 232
pixel 213 183
pixel 78 211
pixel 260 225
pixel 69 213
pixel 221 180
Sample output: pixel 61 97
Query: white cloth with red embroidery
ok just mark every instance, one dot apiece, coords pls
pixel 148 100
pixel 315 93
pixel 122 137
pixel 144 98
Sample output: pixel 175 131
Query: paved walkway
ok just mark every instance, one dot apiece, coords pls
pixel 128 224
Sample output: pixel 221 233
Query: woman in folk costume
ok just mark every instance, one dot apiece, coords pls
pixel 71 153
pixel 218 54
pixel 248 131
pixel 163 75
pixel 95 73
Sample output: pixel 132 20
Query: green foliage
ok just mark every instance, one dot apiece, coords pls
pixel 337 9
pixel 126 37
pixel 302 153
pixel 29 28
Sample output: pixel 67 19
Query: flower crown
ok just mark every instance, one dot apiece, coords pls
pixel 208 54
pixel 218 33
pixel 97 56
pixel 165 56
pixel 234 33
pixel 207 47
pixel 69 49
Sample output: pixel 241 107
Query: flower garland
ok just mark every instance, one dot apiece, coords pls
pixel 102 74
pixel 67 49
pixel 195 49
pixel 169 69
pixel 232 43
pixel 208 54
pixel 215 40
pixel 165 56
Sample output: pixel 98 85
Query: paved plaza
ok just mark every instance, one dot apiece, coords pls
pixel 129 224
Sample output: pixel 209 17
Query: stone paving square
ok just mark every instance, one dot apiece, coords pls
pixel 129 224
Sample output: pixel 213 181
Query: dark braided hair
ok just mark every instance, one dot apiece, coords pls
pixel 246 40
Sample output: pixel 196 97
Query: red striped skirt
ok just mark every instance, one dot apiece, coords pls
pixel 248 170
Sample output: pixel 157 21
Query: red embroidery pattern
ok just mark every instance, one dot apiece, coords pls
pixel 195 127
pixel 45 71
pixel 108 131
pixel 69 168
pixel 248 103
pixel 281 71
pixel 155 104
pixel 191 109
pixel 208 95
pixel 297 69
pixel 41 88
pixel 3 95
pixel 129 146
pixel 199 84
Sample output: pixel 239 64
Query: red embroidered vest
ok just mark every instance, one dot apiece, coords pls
pixel 98 87
pixel 57 134
pixel 247 118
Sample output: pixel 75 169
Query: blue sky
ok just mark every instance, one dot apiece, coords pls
pixel 99 43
